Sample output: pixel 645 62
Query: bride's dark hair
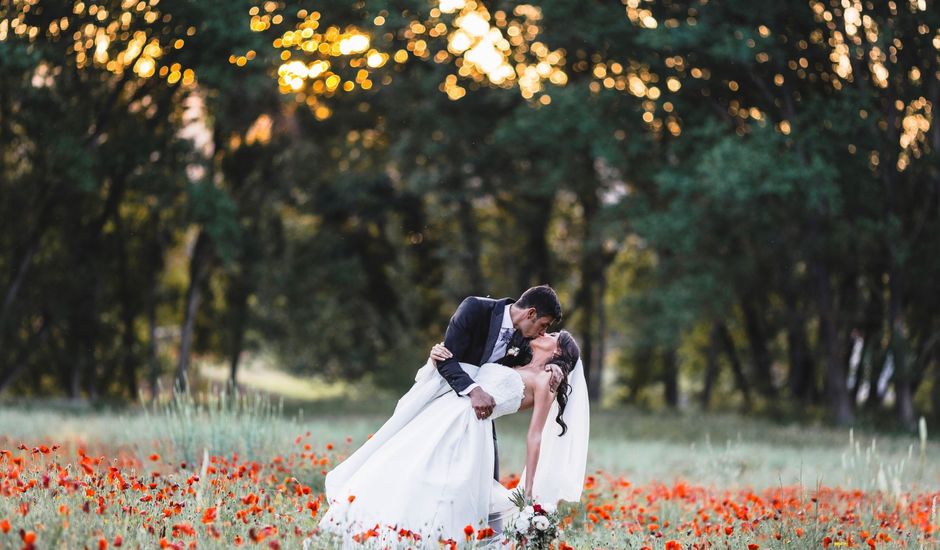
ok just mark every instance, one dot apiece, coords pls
pixel 567 358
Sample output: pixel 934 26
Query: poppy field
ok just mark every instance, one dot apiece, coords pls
pixel 135 481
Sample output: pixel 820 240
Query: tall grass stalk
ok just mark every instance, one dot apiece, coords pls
pixel 223 422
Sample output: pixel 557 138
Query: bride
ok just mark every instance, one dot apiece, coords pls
pixel 427 473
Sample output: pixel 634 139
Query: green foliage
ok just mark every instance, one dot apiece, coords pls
pixel 721 207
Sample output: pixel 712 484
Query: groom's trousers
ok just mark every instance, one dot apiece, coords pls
pixel 495 454
pixel 496 522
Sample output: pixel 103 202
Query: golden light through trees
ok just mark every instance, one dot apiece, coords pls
pixel 498 49
pixel 914 127
pixel 319 59
pixel 116 38
pixel 855 45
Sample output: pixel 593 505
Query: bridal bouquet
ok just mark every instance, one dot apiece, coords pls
pixel 534 527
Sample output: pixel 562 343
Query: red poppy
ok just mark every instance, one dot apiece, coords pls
pixel 184 528
pixel 209 515
pixel 485 533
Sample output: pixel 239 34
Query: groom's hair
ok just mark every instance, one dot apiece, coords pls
pixel 543 299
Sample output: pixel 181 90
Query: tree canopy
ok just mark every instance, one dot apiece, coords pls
pixel 732 198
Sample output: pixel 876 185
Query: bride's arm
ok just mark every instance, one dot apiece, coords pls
pixel 543 403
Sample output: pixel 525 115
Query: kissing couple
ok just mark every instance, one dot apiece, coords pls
pixel 432 470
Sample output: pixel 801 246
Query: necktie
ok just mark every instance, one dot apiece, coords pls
pixel 506 336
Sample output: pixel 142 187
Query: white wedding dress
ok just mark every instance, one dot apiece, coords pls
pixel 429 468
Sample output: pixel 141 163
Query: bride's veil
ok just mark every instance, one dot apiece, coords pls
pixel 563 460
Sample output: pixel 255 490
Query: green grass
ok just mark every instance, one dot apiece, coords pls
pixel 721 449
pixel 724 452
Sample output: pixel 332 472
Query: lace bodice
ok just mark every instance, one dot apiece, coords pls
pixel 504 384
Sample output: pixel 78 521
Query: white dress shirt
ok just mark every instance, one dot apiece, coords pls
pixel 502 343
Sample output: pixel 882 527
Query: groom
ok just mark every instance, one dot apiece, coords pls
pixel 483 330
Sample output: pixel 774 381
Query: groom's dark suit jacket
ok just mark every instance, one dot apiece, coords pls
pixel 471 336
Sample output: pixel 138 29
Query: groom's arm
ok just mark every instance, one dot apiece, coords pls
pixel 458 341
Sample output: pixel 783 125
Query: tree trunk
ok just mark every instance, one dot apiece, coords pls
pixel 935 386
pixel 671 378
pixel 592 269
pixel 14 288
pixel 757 339
pixel 466 218
pixel 77 366
pixel 723 338
pixel 535 267
pixel 586 318
pixel 903 364
pixel 25 263
pixel 154 265
pixel 871 332
pixel 601 354
pixel 198 273
pixel 802 369
pixel 836 389
pixel 83 327
pixel 153 360
pixel 589 316
pixel 21 361
pixel 429 271
pixel 711 370
pixel 238 306
pixel 128 313
pixel 907 416
pixel 18 366
pixel 643 361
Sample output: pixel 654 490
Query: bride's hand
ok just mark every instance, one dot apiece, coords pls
pixel 440 353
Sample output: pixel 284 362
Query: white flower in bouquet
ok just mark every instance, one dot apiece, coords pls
pixel 541 523
pixel 549 508
pixel 535 527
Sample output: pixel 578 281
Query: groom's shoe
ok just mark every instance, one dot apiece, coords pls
pixel 496 523
pixel 495 541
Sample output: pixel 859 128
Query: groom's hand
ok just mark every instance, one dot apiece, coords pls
pixel 482 402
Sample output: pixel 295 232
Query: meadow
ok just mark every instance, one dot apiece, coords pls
pixel 231 470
